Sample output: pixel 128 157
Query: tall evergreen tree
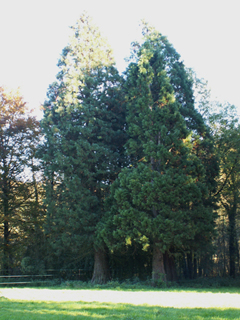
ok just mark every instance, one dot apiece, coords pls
pixel 160 198
pixel 84 125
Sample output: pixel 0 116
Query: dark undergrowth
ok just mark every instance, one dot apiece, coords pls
pixel 225 284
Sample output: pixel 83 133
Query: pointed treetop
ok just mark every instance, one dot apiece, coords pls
pixel 86 46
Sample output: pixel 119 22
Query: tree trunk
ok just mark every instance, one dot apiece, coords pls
pixel 6 231
pixel 158 270
pixel 232 237
pixel 101 272
pixel 6 246
pixel 190 265
pixel 170 268
pixel 195 267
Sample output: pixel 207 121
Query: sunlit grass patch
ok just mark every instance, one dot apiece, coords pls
pixel 19 310
pixel 52 303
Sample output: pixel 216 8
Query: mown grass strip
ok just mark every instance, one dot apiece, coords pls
pixel 97 303
pixel 39 310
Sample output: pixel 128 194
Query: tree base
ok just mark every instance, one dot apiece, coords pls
pixel 101 272
pixel 158 270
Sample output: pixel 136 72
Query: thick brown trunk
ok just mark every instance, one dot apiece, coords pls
pixel 101 272
pixel 158 270
pixel 170 268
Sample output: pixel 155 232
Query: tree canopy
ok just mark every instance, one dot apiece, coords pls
pixel 19 135
pixel 126 175
pixel 84 126
pixel 160 198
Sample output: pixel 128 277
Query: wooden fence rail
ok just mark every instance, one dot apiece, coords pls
pixel 30 278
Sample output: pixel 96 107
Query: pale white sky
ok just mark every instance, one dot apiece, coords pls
pixel 204 32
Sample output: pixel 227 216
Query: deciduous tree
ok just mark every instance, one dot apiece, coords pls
pixel 19 131
pixel 226 129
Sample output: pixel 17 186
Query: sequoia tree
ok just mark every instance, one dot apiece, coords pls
pixel 161 197
pixel 84 125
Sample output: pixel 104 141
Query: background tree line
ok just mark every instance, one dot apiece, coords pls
pixel 126 175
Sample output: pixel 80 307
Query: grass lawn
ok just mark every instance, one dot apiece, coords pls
pixel 170 304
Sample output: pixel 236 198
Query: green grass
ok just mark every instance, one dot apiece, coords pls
pixel 171 304
pixel 19 310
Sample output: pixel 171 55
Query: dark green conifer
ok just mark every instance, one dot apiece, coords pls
pixel 84 127
pixel 160 196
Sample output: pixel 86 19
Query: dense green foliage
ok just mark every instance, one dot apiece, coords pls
pixel 138 174
pixel 225 125
pixel 84 127
pixel 161 198
pixel 20 212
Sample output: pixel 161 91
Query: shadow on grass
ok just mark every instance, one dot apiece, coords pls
pixel 19 310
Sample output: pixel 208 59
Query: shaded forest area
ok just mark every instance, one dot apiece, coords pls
pixel 126 176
